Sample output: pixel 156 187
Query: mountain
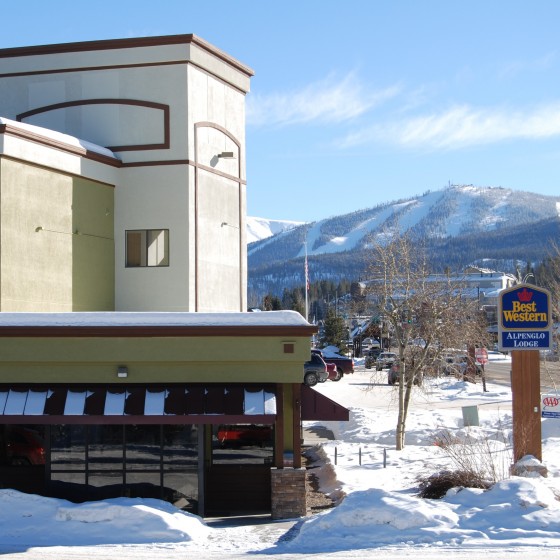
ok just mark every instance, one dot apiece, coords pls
pixel 261 228
pixel 459 225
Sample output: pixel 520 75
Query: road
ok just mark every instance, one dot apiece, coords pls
pixel 500 372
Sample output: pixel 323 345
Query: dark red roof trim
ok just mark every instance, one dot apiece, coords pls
pixel 156 331
pixel 111 44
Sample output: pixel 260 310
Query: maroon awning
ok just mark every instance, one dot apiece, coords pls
pixel 315 406
pixel 137 404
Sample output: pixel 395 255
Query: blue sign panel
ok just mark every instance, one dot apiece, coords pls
pixel 525 308
pixel 528 340
pixel 524 321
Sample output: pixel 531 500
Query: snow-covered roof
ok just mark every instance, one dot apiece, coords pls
pixel 152 319
pixel 57 136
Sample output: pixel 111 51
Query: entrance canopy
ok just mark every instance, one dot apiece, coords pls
pixel 155 404
pixel 315 406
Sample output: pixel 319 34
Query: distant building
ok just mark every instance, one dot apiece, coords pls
pixel 476 284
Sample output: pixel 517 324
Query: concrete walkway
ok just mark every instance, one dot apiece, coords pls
pixel 316 434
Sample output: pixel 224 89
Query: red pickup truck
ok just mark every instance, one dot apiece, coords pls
pixel 343 364
pixel 244 434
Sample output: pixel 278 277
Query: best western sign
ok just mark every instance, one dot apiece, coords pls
pixel 524 318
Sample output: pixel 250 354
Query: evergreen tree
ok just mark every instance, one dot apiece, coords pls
pixel 271 303
pixel 335 330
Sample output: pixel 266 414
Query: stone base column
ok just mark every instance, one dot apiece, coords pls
pixel 288 493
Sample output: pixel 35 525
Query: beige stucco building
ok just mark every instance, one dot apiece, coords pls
pixel 128 190
pixel 128 365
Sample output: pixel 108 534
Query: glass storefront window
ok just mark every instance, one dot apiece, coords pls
pixel 181 489
pixel 145 485
pixel 105 448
pixel 180 464
pixel 69 477
pixel 134 460
pixel 143 447
pixel 180 446
pixel 250 444
pixel 68 447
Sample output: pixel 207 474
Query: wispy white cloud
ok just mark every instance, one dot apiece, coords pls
pixel 517 67
pixel 462 126
pixel 333 100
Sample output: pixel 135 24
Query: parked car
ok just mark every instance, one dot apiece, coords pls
pixel 343 364
pixel 315 370
pixel 385 360
pixel 457 364
pixel 24 447
pixel 370 343
pixel 371 357
pixel 394 374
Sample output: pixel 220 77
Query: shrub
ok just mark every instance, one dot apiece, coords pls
pixel 437 485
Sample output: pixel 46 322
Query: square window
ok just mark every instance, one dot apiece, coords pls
pixel 147 247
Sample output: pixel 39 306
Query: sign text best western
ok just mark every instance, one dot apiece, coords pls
pixel 524 318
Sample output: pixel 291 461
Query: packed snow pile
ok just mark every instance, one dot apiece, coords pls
pixel 513 512
pixel 38 521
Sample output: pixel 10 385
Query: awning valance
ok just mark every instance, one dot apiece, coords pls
pixel 119 404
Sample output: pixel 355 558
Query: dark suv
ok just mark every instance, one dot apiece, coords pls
pixel 371 357
pixel 315 370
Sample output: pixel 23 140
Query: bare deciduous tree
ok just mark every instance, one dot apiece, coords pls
pixel 548 276
pixel 426 316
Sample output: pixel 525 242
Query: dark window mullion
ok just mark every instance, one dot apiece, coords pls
pixel 87 455
pixel 124 459
pixel 161 481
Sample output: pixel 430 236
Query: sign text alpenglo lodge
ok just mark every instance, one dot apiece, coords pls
pixel 524 318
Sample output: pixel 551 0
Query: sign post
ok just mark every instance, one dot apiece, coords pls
pixel 524 328
pixel 481 355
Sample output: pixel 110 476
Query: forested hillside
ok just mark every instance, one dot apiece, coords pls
pixel 457 226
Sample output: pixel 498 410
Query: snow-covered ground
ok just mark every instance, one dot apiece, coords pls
pixel 378 514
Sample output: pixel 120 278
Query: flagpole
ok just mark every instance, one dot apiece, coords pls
pixel 306 283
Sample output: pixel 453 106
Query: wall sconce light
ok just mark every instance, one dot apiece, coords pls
pixel 122 371
pixel 227 155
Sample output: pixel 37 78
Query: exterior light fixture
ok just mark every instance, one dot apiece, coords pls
pixel 122 371
pixel 226 155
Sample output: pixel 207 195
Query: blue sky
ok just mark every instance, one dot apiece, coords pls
pixel 360 102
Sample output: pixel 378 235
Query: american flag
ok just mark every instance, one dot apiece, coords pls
pixel 306 273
